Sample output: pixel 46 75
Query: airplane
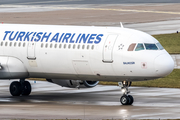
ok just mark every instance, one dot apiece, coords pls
pixel 80 56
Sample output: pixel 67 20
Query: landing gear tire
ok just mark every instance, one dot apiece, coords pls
pixel 124 100
pixel 20 88
pixel 15 88
pixel 131 99
pixel 26 88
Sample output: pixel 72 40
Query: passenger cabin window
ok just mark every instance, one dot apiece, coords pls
pixel 83 46
pixel 55 46
pixel 19 44
pixel 159 46
pixel 10 44
pixel 74 46
pixel 46 45
pixel 64 46
pixel 131 47
pixel 92 47
pixel 87 47
pixel 78 46
pixel 150 46
pixel 139 47
pixel 60 45
pixel 24 44
pixel 51 45
pixel 69 46
pixel 6 44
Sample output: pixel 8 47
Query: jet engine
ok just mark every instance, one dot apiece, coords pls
pixel 74 83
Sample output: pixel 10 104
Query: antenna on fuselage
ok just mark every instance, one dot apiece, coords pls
pixel 121 25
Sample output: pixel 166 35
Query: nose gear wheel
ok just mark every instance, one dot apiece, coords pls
pixel 125 98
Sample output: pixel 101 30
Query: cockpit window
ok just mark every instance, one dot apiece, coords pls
pixel 145 46
pixel 139 47
pixel 150 46
pixel 131 47
pixel 159 46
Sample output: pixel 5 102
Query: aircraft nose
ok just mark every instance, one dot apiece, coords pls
pixel 164 65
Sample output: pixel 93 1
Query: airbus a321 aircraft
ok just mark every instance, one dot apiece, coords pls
pixel 79 56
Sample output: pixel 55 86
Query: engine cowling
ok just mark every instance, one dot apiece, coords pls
pixel 74 83
pixel 12 68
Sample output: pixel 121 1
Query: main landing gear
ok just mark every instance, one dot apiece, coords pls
pixel 20 88
pixel 125 98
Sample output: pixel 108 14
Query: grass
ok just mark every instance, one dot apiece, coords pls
pixel 38 79
pixel 171 42
pixel 170 81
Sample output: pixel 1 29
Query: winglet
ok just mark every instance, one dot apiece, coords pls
pixel 121 25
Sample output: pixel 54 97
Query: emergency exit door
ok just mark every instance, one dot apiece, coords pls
pixel 31 50
pixel 108 48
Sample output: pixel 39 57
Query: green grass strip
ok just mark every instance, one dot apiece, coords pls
pixel 170 81
pixel 171 42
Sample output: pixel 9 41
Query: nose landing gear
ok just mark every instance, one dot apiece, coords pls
pixel 125 98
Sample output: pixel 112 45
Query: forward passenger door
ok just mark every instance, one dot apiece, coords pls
pixel 108 48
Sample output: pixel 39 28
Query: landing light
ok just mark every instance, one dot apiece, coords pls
pixel 123 90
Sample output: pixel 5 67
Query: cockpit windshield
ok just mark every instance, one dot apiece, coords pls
pixel 150 46
pixel 159 46
pixel 140 46
pixel 145 46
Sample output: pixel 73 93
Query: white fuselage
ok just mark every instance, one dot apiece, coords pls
pixel 80 53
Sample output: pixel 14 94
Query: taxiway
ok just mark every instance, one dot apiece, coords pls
pixel 50 101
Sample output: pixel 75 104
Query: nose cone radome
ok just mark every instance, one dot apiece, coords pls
pixel 164 65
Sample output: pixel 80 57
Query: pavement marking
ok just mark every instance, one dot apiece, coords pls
pixel 129 10
pixel 78 8
pixel 52 1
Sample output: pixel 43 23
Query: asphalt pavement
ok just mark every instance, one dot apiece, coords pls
pixel 50 101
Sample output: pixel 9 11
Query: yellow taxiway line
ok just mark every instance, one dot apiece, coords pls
pixel 81 8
